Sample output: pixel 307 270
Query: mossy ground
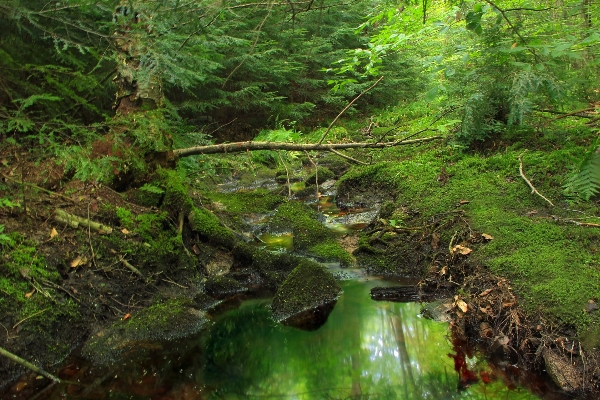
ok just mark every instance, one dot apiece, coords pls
pixel 553 264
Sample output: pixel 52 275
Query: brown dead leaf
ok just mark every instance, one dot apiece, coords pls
pixel 485 292
pixel 444 270
pixel 124 231
pixel 462 305
pixel 28 295
pixel 195 249
pixel 78 261
pixel 435 240
pixel 73 289
pixel 486 236
pixel 461 250
pixel 462 202
pixel 53 233
pixel 126 316
pixel 508 304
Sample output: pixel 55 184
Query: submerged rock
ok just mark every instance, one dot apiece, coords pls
pixel 221 287
pixel 306 297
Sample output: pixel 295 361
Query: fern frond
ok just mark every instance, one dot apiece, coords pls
pixel 584 182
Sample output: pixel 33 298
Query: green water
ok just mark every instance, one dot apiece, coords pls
pixel 366 350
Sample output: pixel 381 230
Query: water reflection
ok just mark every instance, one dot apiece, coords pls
pixel 366 350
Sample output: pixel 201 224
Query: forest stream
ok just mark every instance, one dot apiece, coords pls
pixel 366 349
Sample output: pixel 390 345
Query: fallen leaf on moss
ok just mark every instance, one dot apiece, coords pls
pixel 485 292
pixel 28 295
pixel 435 240
pixel 124 231
pixel 126 316
pixel 78 261
pixel 461 250
pixel 53 233
pixel 486 236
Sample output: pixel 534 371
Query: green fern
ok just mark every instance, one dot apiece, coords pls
pixel 584 182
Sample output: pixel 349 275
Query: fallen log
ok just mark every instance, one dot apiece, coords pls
pixel 401 294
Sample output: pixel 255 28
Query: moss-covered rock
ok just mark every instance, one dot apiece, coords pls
pixel 208 225
pixel 324 174
pixel 170 320
pixel 306 297
pixel 367 186
pixel 221 287
pixel 310 235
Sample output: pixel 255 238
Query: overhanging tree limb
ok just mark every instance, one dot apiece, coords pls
pixel 239 147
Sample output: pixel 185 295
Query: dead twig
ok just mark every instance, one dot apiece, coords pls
pixel 51 193
pixel 316 175
pixel 348 157
pixel 127 264
pixel 55 286
pixel 347 107
pixel 287 175
pixel 28 365
pixel 533 189
pixel 31 316
pixel 174 283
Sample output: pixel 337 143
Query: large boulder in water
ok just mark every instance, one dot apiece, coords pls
pixel 306 297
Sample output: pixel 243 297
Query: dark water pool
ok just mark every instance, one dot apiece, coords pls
pixel 366 350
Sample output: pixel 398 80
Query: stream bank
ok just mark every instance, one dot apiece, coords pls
pixel 193 249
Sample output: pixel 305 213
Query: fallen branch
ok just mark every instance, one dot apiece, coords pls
pixel 239 147
pixel 28 365
pixel 127 264
pixel 73 221
pixel 31 316
pixel 533 189
pixel 347 107
pixel 348 157
pixel 50 192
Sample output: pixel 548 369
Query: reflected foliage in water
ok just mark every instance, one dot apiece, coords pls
pixel 366 350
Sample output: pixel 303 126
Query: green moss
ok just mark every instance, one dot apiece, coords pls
pixel 257 201
pixel 176 198
pixel 149 195
pixel 324 174
pixel 554 267
pixel 330 251
pixel 24 260
pixel 307 286
pixel 208 225
pixel 168 320
pixel 309 233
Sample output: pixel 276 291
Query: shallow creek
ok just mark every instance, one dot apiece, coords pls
pixel 365 350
